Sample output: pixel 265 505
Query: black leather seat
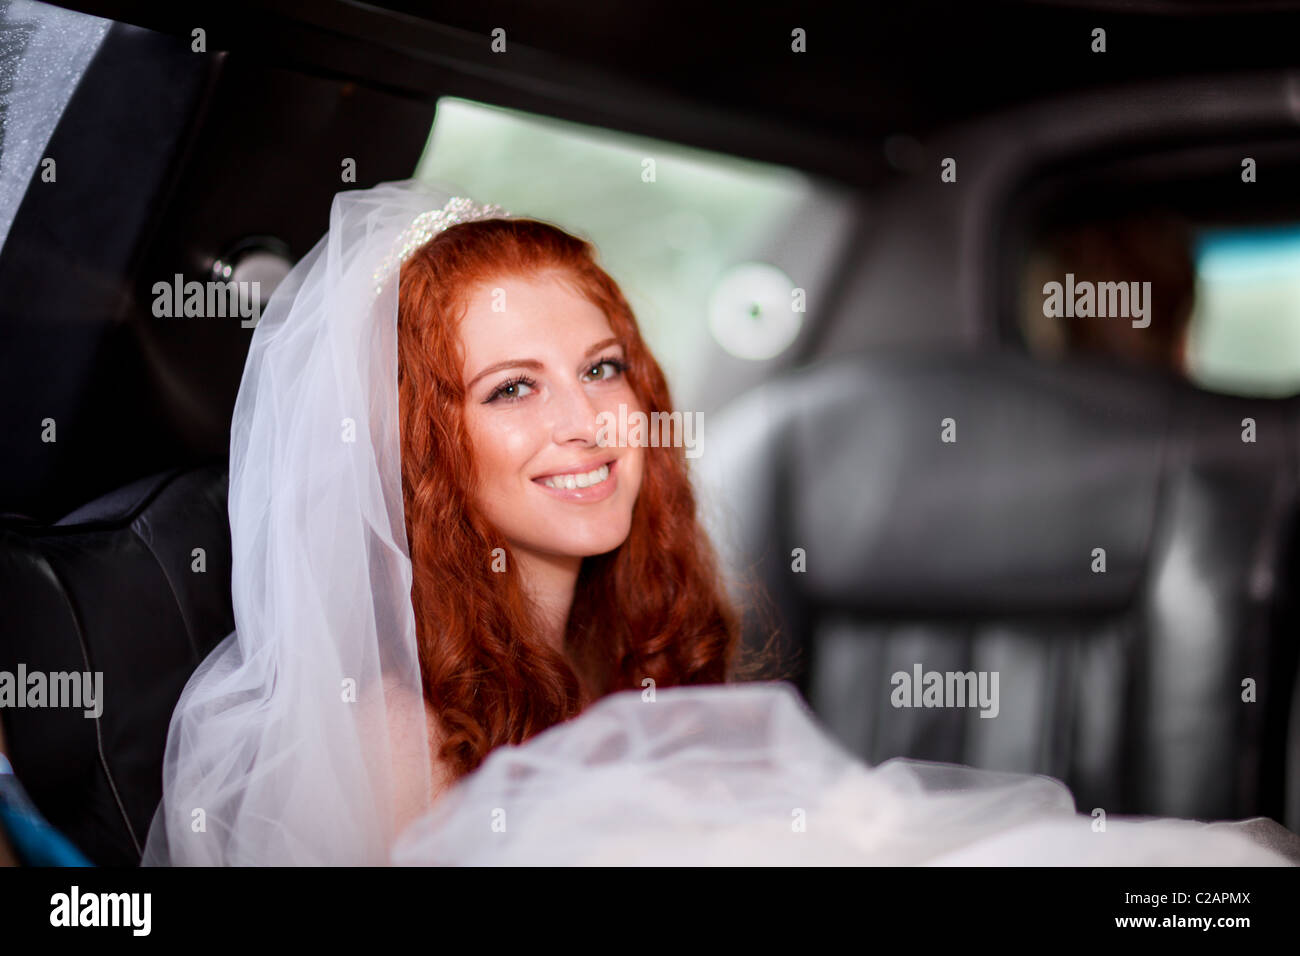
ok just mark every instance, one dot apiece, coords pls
pixel 978 555
pixel 113 588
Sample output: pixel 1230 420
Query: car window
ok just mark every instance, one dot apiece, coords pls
pixel 701 243
pixel 1218 305
pixel 44 51
pixel 1245 327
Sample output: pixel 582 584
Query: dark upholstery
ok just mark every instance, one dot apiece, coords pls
pixel 977 555
pixel 111 588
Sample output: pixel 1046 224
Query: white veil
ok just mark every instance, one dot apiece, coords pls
pixel 297 739
pixel 283 745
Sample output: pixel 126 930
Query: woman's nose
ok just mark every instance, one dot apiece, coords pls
pixel 575 416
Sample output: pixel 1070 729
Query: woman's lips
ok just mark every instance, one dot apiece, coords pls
pixel 586 495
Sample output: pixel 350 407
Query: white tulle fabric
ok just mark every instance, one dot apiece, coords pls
pixel 291 742
pixel 283 746
pixel 746 775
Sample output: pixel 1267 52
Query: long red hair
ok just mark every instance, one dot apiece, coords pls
pixel 652 608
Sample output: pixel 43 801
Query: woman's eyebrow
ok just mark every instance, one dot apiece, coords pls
pixel 533 363
pixel 500 366
pixel 602 344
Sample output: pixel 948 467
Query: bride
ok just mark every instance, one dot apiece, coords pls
pixel 468 630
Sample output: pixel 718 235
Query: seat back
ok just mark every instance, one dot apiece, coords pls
pixel 135 587
pixel 1100 539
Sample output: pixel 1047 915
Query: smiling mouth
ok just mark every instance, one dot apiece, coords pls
pixel 573 481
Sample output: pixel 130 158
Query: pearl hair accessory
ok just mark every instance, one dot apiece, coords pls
pixel 427 225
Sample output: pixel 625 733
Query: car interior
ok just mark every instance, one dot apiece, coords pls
pixel 1114 532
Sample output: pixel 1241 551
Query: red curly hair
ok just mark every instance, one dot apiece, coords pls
pixel 652 608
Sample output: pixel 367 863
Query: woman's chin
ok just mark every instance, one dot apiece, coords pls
pixel 597 548
pixel 586 546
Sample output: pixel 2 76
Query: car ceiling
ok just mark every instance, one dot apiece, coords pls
pixel 727 80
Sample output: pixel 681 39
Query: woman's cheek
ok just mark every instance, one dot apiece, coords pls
pixel 508 442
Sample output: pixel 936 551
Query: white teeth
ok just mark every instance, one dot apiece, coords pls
pixel 579 481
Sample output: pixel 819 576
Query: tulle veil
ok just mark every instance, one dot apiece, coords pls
pixel 283 745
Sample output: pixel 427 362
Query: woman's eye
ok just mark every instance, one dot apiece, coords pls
pixel 617 366
pixel 510 391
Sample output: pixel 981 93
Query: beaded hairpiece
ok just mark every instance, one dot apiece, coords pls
pixel 427 225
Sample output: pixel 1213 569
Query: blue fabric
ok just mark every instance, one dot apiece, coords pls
pixel 33 839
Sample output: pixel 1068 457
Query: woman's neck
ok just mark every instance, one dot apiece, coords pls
pixel 550 582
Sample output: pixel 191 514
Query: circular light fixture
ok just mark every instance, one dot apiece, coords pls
pixel 258 259
pixel 751 311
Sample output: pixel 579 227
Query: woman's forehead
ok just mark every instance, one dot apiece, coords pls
pixel 524 319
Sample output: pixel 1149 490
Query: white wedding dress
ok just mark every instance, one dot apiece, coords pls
pixel 745 774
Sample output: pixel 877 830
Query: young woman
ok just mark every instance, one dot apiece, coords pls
pixel 438 548
pixel 552 563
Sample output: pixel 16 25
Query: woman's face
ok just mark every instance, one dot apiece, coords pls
pixel 541 366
